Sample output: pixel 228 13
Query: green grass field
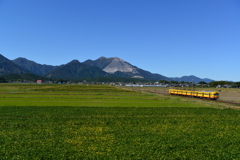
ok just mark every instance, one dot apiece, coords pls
pixel 103 122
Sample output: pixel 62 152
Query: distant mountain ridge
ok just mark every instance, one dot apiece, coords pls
pixel 34 67
pixel 119 68
pixel 9 67
pixel 191 78
pixel 101 67
pixel 74 70
pixel 101 62
pixel 112 65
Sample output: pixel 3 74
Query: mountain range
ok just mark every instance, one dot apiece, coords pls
pixel 34 67
pixel 102 67
pixel 8 67
pixel 191 78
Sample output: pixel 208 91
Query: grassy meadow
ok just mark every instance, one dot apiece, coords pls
pixel 104 122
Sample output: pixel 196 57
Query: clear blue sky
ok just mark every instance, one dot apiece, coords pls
pixel 170 37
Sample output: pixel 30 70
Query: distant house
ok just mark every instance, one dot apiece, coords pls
pixel 39 81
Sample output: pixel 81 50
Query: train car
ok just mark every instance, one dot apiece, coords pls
pixel 198 94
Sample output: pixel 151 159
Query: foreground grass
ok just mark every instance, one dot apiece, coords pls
pixel 119 133
pixel 102 122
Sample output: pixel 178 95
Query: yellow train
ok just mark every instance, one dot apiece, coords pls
pixel 198 94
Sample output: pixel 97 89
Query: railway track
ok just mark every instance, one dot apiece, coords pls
pixel 234 103
pixel 237 104
pixel 218 101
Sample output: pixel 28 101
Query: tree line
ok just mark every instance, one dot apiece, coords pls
pixel 202 83
pixel 31 77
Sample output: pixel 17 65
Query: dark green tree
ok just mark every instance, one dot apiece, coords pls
pixel 3 80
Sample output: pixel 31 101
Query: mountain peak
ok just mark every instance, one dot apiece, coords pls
pixel 34 67
pixel 118 59
pixel 117 67
pixel 102 57
pixel 191 78
pixel 8 67
pixel 20 58
pixel 3 59
pixel 74 61
pixel 118 64
pixel 75 69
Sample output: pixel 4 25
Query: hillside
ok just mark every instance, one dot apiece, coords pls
pixel 117 67
pixel 34 67
pixel 8 67
pixel 101 62
pixel 112 65
pixel 191 78
pixel 74 70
